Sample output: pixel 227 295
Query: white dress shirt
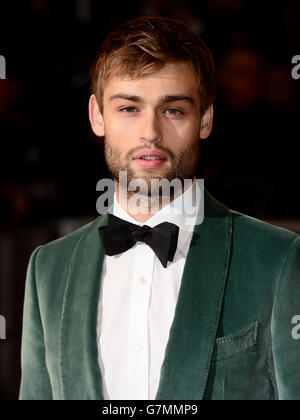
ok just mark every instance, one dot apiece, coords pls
pixel 137 302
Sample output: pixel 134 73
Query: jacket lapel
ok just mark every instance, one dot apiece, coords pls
pixel 193 332
pixel 80 372
pixel 192 335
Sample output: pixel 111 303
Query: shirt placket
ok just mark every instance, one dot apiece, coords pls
pixel 138 368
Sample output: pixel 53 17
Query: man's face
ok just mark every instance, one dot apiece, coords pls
pixel 154 113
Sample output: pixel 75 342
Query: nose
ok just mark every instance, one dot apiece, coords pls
pixel 150 128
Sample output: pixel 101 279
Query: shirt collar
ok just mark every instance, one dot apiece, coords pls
pixel 182 211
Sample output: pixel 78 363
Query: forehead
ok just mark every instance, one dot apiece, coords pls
pixel 172 78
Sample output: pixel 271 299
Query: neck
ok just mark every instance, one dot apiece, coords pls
pixel 141 207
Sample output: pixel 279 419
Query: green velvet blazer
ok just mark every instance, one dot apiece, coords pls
pixel 232 333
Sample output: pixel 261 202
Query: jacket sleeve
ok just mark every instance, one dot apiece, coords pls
pixel 285 332
pixel 35 383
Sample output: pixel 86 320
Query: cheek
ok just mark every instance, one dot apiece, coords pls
pixel 120 137
pixel 185 131
pixel 121 128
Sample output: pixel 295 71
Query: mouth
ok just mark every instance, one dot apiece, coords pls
pixel 150 158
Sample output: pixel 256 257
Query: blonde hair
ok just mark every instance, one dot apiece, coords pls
pixel 144 45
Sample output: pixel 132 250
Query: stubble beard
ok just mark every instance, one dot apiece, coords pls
pixel 183 166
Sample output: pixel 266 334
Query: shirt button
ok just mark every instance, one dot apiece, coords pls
pixel 142 280
pixel 138 345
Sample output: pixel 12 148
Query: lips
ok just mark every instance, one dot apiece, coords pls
pixel 149 152
pixel 140 160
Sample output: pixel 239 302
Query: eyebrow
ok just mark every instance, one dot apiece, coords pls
pixel 162 100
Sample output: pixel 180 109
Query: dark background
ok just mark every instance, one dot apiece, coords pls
pixel 50 161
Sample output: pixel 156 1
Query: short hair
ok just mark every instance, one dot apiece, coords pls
pixel 144 45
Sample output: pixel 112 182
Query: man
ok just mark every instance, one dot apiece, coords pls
pixel 137 304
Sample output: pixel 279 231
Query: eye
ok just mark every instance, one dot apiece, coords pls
pixel 128 109
pixel 174 112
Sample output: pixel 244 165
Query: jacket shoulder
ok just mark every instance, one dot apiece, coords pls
pixel 65 245
pixel 260 231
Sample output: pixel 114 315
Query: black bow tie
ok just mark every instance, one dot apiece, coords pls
pixel 119 236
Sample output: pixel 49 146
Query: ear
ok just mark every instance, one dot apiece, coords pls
pixel 96 118
pixel 206 123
